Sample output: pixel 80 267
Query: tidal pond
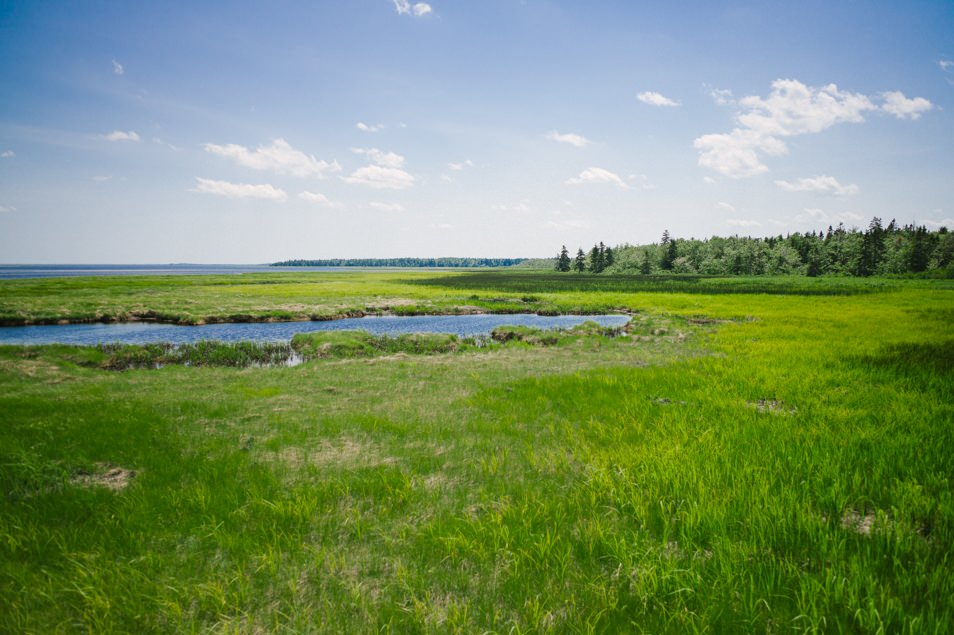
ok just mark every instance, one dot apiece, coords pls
pixel 150 332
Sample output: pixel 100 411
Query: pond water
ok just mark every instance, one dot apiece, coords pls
pixel 148 332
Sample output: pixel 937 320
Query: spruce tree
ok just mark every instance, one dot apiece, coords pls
pixel 563 260
pixel 646 266
pixel 580 263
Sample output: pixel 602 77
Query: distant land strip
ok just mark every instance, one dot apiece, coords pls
pixel 402 262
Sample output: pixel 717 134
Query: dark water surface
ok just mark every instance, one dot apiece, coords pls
pixel 147 332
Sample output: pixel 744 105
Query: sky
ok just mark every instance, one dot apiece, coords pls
pixel 251 132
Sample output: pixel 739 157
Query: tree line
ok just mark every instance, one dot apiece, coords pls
pixel 876 250
pixel 401 262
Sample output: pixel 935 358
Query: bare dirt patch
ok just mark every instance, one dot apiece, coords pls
pixel 106 475
pixel 345 453
pixel 772 406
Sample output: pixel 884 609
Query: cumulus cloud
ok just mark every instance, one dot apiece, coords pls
pixel 460 166
pixel 404 7
pixel 239 190
pixel 895 103
pixel 386 159
pixel 570 138
pixel 364 127
pixel 320 199
pixel 823 183
pixel 791 109
pixel 380 177
pixel 390 208
pixel 119 135
pixel 385 172
pixel 656 99
pixel 279 157
pixel 722 96
pixel 8 154
pixel 597 175
pixel 118 68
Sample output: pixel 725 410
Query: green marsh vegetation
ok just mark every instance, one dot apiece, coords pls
pixel 736 462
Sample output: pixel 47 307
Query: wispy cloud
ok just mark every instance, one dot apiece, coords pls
pixel 597 176
pixel 722 96
pixel 655 99
pixel 239 190
pixel 791 109
pixel 725 206
pixel 823 183
pixel 519 208
pixel 944 222
pixel 380 177
pixel 386 159
pixel 118 68
pixel 159 141
pixel 404 7
pixel 278 157
pixel 320 200
pixel 119 135
pixel 460 166
pixel 442 226
pixel 946 65
pixel 820 216
pixel 569 223
pixel 364 127
pixel 895 103
pixel 390 208
pixel 103 178
pixel 7 209
pixel 569 138
pixel 8 154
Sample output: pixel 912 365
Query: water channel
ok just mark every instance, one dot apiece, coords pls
pixel 150 332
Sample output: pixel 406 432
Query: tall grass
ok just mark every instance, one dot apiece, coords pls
pixel 627 484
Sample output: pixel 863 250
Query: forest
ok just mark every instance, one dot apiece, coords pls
pixel 401 262
pixel 875 251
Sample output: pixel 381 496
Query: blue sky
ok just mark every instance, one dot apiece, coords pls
pixel 250 132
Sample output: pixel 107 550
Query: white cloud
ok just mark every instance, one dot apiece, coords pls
pixel 725 206
pixel 741 222
pixel 944 222
pixel 239 190
pixel 819 216
pixel 103 178
pixel 708 180
pixel 8 154
pixel 946 65
pixel 386 159
pixel 441 226
pixel 119 135
pixel 822 183
pixel 368 127
pixel 655 99
pixel 379 177
pixel 404 7
pixel 790 109
pixel 562 225
pixel 6 209
pixel 570 138
pixel 118 68
pixel 164 143
pixel 895 103
pixel 597 175
pixel 519 208
pixel 460 166
pixel 390 208
pixel 722 96
pixel 320 199
pixel 279 157
pixel 641 182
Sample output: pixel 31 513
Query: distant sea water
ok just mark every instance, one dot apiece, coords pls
pixel 62 271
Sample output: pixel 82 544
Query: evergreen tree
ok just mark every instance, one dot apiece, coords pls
pixel 563 260
pixel 608 258
pixel 646 266
pixel 596 259
pixel 669 252
pixel 580 263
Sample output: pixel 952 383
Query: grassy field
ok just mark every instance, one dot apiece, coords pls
pixel 756 455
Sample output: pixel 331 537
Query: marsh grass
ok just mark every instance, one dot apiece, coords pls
pixel 608 484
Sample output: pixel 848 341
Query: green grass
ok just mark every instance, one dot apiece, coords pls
pixel 738 462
